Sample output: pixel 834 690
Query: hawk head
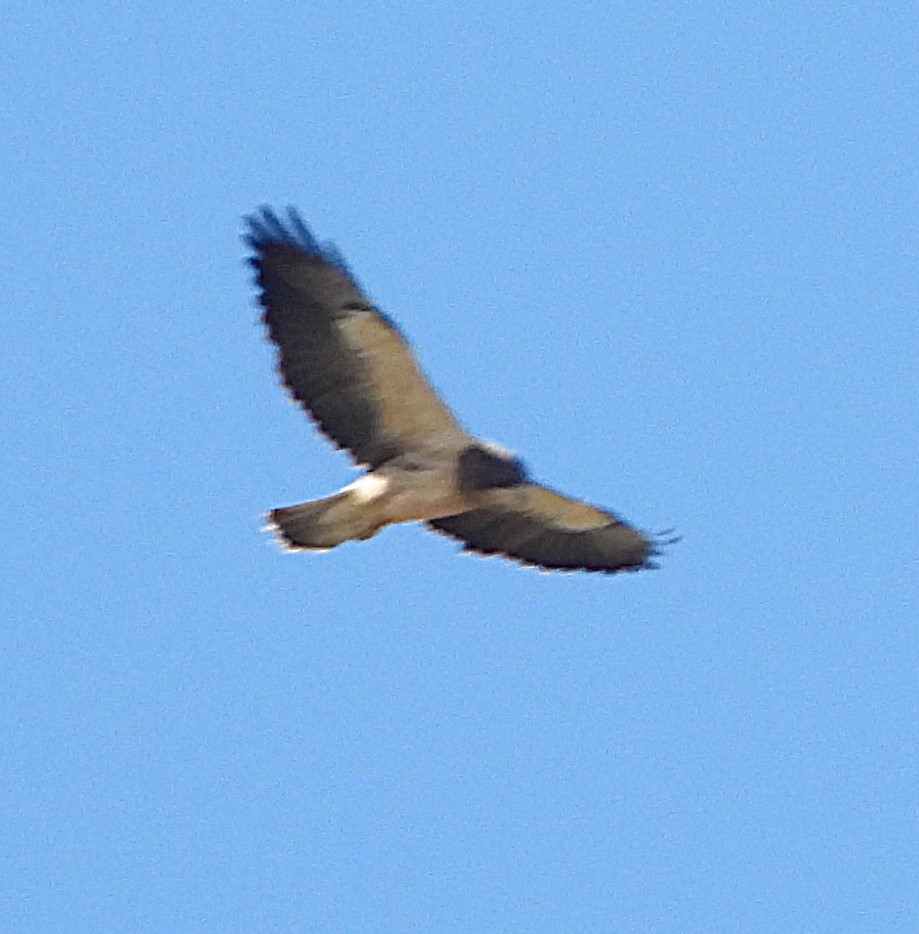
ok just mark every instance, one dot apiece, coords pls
pixel 482 467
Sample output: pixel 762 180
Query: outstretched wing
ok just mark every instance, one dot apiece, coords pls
pixel 538 526
pixel 343 360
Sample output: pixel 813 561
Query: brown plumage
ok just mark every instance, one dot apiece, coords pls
pixel 351 369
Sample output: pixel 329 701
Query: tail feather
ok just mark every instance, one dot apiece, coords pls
pixel 321 523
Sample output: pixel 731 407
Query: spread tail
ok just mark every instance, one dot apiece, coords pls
pixel 322 523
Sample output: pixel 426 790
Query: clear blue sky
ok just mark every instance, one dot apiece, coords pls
pixel 666 252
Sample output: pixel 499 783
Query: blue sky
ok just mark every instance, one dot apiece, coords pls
pixel 666 252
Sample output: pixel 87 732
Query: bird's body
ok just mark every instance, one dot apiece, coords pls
pixel 349 366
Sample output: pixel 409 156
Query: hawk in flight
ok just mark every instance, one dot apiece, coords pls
pixel 348 365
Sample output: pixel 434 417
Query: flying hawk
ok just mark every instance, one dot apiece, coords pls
pixel 348 365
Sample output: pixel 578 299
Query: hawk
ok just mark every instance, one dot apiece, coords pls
pixel 351 369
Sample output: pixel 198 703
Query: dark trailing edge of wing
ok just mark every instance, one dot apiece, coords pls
pixel 523 538
pixel 305 288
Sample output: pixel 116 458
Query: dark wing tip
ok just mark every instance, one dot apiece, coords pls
pixel 264 230
pixel 550 568
pixel 660 541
